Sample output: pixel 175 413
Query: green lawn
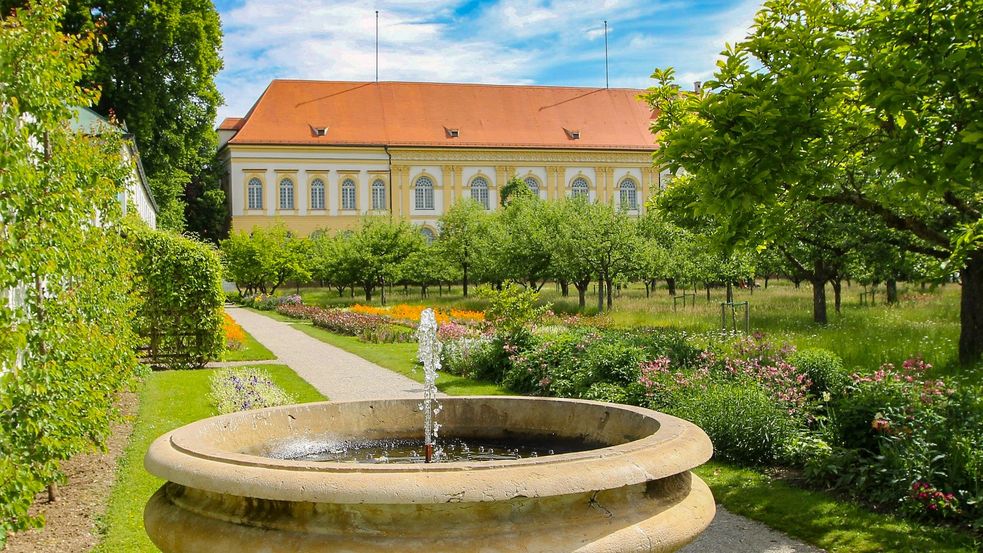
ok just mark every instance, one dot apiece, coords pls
pixel 252 351
pixel 168 400
pixel 399 358
pixel 822 520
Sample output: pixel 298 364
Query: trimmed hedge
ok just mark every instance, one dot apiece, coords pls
pixel 180 282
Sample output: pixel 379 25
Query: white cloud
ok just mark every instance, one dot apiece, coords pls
pixel 266 39
pixel 508 41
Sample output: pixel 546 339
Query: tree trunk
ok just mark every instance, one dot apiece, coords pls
pixel 892 291
pixel 465 267
pixel 671 283
pixel 730 292
pixel 382 294
pixel 582 292
pixel 837 296
pixel 766 282
pixel 600 294
pixel 607 285
pixel 368 293
pixel 819 300
pixel 971 311
pixel 564 288
pixel 647 287
pixel 707 286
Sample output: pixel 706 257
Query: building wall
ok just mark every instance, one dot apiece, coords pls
pixel 450 169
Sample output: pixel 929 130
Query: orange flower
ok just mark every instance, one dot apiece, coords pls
pixel 235 336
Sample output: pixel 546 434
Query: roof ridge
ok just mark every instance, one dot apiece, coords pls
pixel 435 83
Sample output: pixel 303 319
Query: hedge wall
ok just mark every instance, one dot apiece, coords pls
pixel 180 284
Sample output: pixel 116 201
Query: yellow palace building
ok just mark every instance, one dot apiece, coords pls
pixel 322 154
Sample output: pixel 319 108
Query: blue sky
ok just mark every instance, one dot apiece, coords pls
pixel 552 42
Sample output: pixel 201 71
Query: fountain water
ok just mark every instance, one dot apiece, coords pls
pixel 429 354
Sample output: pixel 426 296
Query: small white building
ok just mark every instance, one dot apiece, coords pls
pixel 137 194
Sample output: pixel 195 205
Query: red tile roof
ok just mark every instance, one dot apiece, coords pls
pixel 231 123
pixel 425 114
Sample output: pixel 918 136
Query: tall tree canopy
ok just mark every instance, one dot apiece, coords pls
pixel 156 73
pixel 873 106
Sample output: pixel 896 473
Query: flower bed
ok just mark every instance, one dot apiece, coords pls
pixel 411 313
pixel 235 336
pixel 245 388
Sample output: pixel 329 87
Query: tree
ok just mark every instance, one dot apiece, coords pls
pixel 67 347
pixel 515 188
pixel 571 260
pixel 526 250
pixel 832 87
pixel 262 260
pixel 595 240
pixel 463 236
pixel 375 252
pixel 156 71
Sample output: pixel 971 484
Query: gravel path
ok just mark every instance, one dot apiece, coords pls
pixel 342 376
pixel 339 375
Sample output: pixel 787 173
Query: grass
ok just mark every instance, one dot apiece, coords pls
pixel 924 323
pixel 399 358
pixel 168 400
pixel 252 350
pixel 822 520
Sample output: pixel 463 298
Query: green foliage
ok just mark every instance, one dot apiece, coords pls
pixel 900 438
pixel 515 188
pixel 743 421
pixel 824 368
pixel 262 260
pixel 242 389
pixel 463 238
pixel 157 73
pixel 468 357
pixel 180 281
pixel 512 308
pixel 853 124
pixel 67 346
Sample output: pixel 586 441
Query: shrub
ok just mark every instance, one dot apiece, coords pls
pixel 741 418
pixel 824 368
pixel 180 281
pixel 903 439
pixel 242 389
pixel 469 356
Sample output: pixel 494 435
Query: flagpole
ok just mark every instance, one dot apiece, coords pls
pixel 377 46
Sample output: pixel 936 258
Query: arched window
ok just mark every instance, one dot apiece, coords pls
pixel 629 194
pixel 579 188
pixel 378 195
pixel 317 194
pixel 286 194
pixel 348 195
pixel 533 185
pixel 427 234
pixel 255 193
pixel 424 193
pixel 479 190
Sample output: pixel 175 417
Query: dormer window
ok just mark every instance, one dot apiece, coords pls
pixel 572 134
pixel 320 131
pixel 453 133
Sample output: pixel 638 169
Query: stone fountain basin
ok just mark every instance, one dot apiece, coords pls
pixel 634 493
